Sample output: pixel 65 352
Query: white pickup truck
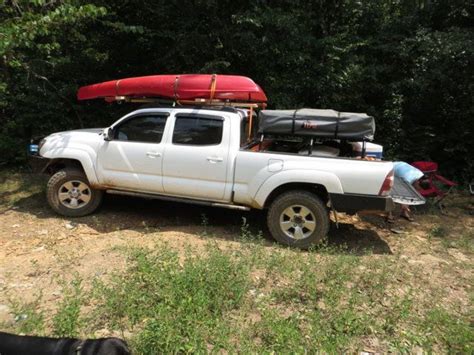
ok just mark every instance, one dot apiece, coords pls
pixel 201 156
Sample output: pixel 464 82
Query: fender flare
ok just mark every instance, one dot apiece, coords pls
pixel 329 180
pixel 76 154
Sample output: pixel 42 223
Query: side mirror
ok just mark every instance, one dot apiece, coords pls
pixel 108 134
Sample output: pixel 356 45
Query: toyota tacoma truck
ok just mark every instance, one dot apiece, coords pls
pixel 204 156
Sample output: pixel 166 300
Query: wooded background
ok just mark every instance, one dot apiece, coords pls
pixel 407 63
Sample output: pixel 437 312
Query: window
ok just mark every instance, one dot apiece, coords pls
pixel 244 130
pixel 143 128
pixel 197 130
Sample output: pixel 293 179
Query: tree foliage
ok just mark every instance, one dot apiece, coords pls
pixel 408 63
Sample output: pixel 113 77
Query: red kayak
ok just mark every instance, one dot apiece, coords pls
pixel 178 87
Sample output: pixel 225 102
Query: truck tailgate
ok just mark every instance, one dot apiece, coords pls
pixel 404 193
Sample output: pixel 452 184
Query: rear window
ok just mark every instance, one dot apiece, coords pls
pixel 244 130
pixel 195 130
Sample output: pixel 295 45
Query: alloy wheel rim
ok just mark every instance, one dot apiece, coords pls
pixel 74 194
pixel 297 222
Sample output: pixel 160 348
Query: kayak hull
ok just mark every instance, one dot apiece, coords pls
pixel 178 87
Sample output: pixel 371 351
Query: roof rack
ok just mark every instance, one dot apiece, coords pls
pixel 215 108
pixel 195 102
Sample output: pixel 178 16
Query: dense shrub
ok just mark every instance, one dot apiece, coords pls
pixel 408 63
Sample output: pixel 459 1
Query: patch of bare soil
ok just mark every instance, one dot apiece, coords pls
pixel 39 248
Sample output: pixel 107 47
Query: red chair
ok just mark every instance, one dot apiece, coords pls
pixel 432 184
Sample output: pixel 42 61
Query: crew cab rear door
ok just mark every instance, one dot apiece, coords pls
pixel 196 157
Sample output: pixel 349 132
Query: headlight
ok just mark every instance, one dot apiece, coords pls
pixel 35 146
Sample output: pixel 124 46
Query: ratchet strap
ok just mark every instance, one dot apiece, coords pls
pixel 117 83
pixel 175 88
pixel 250 123
pixel 213 86
pixel 293 123
pixel 336 131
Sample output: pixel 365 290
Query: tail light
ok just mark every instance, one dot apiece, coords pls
pixel 387 184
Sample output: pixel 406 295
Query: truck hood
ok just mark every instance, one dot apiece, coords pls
pixel 80 134
pixel 81 139
pixel 84 130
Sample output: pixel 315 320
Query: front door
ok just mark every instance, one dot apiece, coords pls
pixel 132 160
pixel 196 160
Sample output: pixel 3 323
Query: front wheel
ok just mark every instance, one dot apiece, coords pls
pixel 69 193
pixel 298 219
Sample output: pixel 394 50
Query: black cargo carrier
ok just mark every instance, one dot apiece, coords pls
pixel 329 124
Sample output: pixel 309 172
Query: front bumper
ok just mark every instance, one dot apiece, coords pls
pixel 352 203
pixel 37 163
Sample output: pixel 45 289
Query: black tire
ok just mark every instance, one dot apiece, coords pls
pixel 291 200
pixel 72 175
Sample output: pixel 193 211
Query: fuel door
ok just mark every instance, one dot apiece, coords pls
pixel 275 165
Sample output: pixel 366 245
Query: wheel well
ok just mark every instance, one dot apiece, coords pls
pixel 316 189
pixel 58 164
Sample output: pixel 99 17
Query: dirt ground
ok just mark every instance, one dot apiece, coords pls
pixel 39 248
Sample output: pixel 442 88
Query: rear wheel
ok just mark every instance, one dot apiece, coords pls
pixel 298 219
pixel 70 194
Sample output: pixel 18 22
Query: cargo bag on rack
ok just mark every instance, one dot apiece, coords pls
pixel 317 123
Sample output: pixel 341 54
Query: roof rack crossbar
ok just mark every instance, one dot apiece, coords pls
pixel 196 102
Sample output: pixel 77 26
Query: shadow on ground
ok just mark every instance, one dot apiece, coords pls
pixel 143 215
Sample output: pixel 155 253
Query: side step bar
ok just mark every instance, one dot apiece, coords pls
pixel 177 199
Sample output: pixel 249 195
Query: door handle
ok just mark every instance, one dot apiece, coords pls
pixel 153 154
pixel 215 159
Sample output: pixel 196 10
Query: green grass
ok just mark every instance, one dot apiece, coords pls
pixel 186 301
pixel 67 321
pixel 462 241
pixel 259 300
pixel 437 232
pixel 465 242
pixel 28 316
pixel 16 185
pixel 454 332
